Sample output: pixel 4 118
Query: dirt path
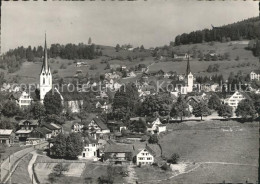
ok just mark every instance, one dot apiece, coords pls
pixel 30 166
pixel 132 178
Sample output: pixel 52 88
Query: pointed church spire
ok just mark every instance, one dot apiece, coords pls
pixel 45 57
pixel 188 66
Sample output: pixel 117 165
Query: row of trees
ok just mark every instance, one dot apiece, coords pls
pixel 246 29
pixel 68 51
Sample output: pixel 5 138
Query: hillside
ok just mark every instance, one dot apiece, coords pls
pixel 29 71
pixel 245 29
pixel 247 61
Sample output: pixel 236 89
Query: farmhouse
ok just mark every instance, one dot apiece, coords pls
pixel 55 129
pixel 25 129
pixel 41 133
pixel 255 75
pixel 233 100
pixel 6 136
pixel 118 154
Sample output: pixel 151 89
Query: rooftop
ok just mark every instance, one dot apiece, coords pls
pixel 6 131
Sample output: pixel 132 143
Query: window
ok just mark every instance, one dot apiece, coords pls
pixel 84 155
pixel 43 80
pixel 149 158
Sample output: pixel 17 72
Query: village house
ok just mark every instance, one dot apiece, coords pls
pixel 77 127
pixel 156 127
pixel 166 75
pixel 25 129
pixel 234 99
pixel 145 156
pixel 54 128
pixel 255 75
pixel 97 127
pixel 38 135
pixel 102 105
pixel 116 126
pixel 90 150
pixel 131 74
pixel 6 136
pixel 181 56
pixel 118 154
pixel 22 98
pixel 113 75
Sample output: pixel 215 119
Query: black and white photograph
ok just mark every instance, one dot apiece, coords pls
pixel 129 92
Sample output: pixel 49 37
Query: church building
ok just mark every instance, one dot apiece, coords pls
pixel 45 75
pixel 71 100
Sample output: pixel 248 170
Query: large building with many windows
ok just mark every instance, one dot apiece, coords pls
pixel 255 75
pixel 235 98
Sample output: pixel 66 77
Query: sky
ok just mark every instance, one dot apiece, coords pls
pixel 150 23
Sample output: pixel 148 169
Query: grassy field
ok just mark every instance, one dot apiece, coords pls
pixel 21 174
pixel 215 141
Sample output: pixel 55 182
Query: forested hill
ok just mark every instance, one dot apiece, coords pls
pixel 245 29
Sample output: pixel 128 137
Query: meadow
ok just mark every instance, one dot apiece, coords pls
pixel 224 150
pixel 29 72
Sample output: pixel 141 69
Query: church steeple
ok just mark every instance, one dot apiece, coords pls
pixel 45 66
pixel 188 66
pixel 45 75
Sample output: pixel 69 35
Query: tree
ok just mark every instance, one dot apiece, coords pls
pixel 117 47
pixel 125 101
pixel 74 145
pixel 60 168
pixel 89 41
pixel 214 102
pixel 52 102
pixel 225 111
pixel 59 146
pixel 10 109
pixel 201 109
pixel 180 109
pixel 246 109
pixel 160 104
pixel 37 110
pixel 153 139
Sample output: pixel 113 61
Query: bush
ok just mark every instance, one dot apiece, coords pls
pixel 70 63
pixel 174 158
pixel 165 167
